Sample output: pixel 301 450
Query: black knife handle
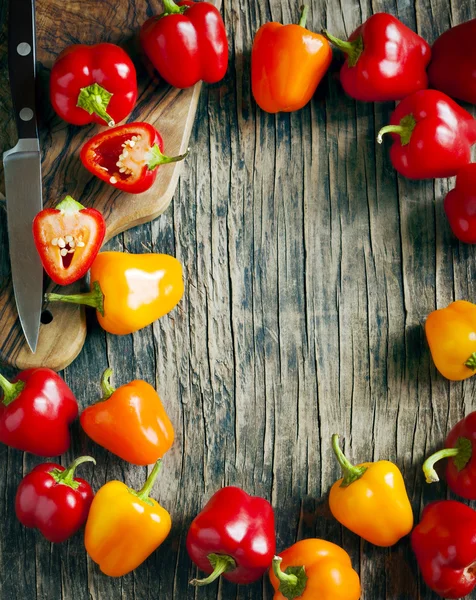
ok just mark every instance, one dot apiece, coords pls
pixel 22 65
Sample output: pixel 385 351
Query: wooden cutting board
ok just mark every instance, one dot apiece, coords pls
pixel 59 24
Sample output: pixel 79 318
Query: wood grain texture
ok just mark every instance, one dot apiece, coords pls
pixel 310 267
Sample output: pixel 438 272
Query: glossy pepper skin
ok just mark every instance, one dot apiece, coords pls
pixel 452 66
pixel 460 205
pixel 444 543
pixel 93 84
pixel 287 64
pixel 53 501
pixel 232 536
pixel 124 527
pixel 130 422
pixel 130 291
pixel 460 449
pixel 432 136
pixel 451 335
pixel 187 43
pixel 371 500
pixel 385 60
pixel 36 411
pixel 127 157
pixel 314 569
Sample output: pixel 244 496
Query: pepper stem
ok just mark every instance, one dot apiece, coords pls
pixel 353 49
pixel 107 389
pixel 156 158
pixel 404 129
pixel 144 493
pixel 171 8
pixel 11 391
pixel 462 453
pixel 94 298
pixel 66 477
pixel 69 205
pixel 304 13
pixel 221 563
pixel 95 99
pixel 351 473
pixel 292 581
pixel 471 362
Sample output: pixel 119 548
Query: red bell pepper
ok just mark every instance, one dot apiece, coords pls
pixel 234 536
pixel 187 43
pixel 93 84
pixel 36 411
pixel 460 448
pixel 68 239
pixel 127 157
pixel 385 60
pixel 444 543
pixel 53 501
pixel 432 136
pixel 460 205
pixel 452 68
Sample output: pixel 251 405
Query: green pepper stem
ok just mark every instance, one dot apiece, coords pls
pixel 471 362
pixel 69 205
pixel 304 14
pixel 404 129
pixel 95 99
pixel 155 158
pixel 144 493
pixel 170 8
pixel 353 49
pixel 221 563
pixel 94 298
pixel 461 453
pixel 351 473
pixel 290 580
pixel 66 477
pixel 11 391
pixel 107 389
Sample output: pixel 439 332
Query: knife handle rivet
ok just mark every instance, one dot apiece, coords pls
pixel 24 49
pixel 26 114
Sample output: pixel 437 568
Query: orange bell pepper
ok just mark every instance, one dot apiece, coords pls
pixel 130 422
pixel 451 335
pixel 314 569
pixel 130 291
pixel 371 500
pixel 287 64
pixel 124 526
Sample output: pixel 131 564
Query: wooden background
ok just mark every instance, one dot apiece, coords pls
pixel 309 270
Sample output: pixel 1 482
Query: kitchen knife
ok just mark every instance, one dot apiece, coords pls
pixel 22 165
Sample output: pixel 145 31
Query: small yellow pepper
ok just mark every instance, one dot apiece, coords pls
pixel 371 500
pixel 124 526
pixel 451 335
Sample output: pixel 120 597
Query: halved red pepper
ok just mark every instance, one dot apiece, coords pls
pixel 127 156
pixel 68 239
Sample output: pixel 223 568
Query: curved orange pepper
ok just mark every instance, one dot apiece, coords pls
pixel 130 291
pixel 451 335
pixel 371 500
pixel 130 422
pixel 287 64
pixel 314 569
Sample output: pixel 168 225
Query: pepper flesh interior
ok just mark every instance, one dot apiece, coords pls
pixel 126 153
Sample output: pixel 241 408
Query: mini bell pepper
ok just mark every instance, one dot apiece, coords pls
pixel 385 60
pixel 460 449
pixel 127 157
pixel 460 205
pixel 371 500
pixel 432 136
pixel 51 499
pixel 452 64
pixel 444 543
pixel 451 335
pixel 287 64
pixel 93 84
pixel 232 536
pixel 130 291
pixel 187 43
pixel 68 239
pixel 130 422
pixel 36 411
pixel 314 569
pixel 124 527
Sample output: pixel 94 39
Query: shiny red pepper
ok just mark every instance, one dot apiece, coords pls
pixel 452 68
pixel 460 205
pixel 187 43
pixel 127 157
pixel 432 136
pixel 93 84
pixel 36 411
pixel 51 499
pixel 444 543
pixel 385 60
pixel 234 536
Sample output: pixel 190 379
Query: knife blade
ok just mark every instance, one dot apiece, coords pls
pixel 22 165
